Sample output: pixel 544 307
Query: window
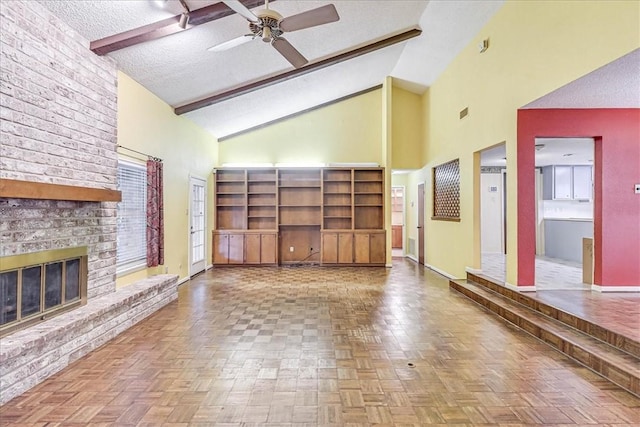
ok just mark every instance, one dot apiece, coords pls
pixel 132 217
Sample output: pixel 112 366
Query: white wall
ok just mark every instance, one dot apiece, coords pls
pixel 491 227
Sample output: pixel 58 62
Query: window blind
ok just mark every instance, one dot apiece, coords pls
pixel 132 217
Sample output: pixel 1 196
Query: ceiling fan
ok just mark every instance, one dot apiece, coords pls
pixel 269 25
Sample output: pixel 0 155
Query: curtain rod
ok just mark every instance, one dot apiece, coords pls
pixel 141 153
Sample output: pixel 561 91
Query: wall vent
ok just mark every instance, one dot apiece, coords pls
pixel 464 112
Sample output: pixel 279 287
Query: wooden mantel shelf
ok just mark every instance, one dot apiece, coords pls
pixel 13 188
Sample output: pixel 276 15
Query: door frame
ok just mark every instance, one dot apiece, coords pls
pixel 201 181
pixel 404 217
pixel 420 241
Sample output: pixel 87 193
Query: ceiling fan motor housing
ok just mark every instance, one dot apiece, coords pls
pixel 268 25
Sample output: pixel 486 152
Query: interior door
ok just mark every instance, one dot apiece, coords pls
pixel 197 225
pixel 421 223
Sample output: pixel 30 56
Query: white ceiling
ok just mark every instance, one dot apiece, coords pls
pixel 549 151
pixel 615 85
pixel 179 69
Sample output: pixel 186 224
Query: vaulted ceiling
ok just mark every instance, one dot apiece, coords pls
pixel 230 91
pixel 251 84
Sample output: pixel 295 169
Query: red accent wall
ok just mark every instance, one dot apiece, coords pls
pixel 616 170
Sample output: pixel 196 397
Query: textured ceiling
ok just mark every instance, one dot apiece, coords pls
pixel 550 151
pixel 179 69
pixel 615 85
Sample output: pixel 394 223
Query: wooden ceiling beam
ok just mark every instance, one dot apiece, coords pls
pixel 165 27
pixel 223 96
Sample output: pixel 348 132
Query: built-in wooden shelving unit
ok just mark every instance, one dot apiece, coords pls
pixel 299 215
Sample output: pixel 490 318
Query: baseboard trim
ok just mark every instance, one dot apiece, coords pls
pixel 208 267
pixel 603 289
pixel 519 288
pixel 183 280
pixel 442 272
pixel 412 258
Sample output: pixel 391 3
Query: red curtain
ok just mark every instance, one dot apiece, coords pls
pixel 155 217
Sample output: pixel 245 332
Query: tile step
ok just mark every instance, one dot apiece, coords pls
pixel 612 338
pixel 617 366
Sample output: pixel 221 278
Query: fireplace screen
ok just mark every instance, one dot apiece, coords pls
pixel 35 286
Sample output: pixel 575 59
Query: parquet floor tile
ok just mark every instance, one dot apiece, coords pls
pixel 311 346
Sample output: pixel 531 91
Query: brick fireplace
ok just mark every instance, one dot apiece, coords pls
pixel 58 104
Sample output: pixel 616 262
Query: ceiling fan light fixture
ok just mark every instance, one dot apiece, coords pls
pixel 184 20
pixel 266 34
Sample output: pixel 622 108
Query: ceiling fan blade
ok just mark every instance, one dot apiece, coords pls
pixel 231 43
pixel 289 52
pixel 241 9
pixel 310 18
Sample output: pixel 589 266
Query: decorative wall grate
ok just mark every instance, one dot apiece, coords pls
pixel 446 191
pixel 36 286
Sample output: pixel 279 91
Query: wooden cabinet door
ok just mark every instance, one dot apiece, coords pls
pixel 377 244
pixel 252 249
pixel 345 248
pixel 396 236
pixel 330 248
pixel 236 248
pixel 268 248
pixel 361 252
pixel 220 248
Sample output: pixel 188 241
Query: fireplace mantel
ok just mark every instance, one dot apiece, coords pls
pixel 16 189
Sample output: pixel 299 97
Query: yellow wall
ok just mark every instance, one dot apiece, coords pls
pixel 147 124
pixel 347 131
pixel 407 129
pixel 535 47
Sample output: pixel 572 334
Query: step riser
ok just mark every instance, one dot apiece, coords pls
pixel 623 379
pixel 589 328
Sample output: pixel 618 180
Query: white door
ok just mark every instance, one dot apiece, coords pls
pixel 197 225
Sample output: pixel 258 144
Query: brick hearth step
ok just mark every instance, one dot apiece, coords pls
pixel 612 363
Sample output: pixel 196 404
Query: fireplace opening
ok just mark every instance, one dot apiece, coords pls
pixel 37 286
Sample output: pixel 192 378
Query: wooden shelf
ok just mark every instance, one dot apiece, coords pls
pixel 17 189
pixel 300 204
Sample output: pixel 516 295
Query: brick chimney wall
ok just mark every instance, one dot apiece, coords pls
pixel 58 105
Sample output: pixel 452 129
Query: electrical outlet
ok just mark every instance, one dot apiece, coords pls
pixel 166 270
pixel 291 248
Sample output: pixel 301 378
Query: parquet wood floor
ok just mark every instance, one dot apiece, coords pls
pixel 307 346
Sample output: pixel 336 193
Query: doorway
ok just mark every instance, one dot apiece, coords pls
pixel 197 225
pixel 397 221
pixel 493 224
pixel 564 213
pixel 421 223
